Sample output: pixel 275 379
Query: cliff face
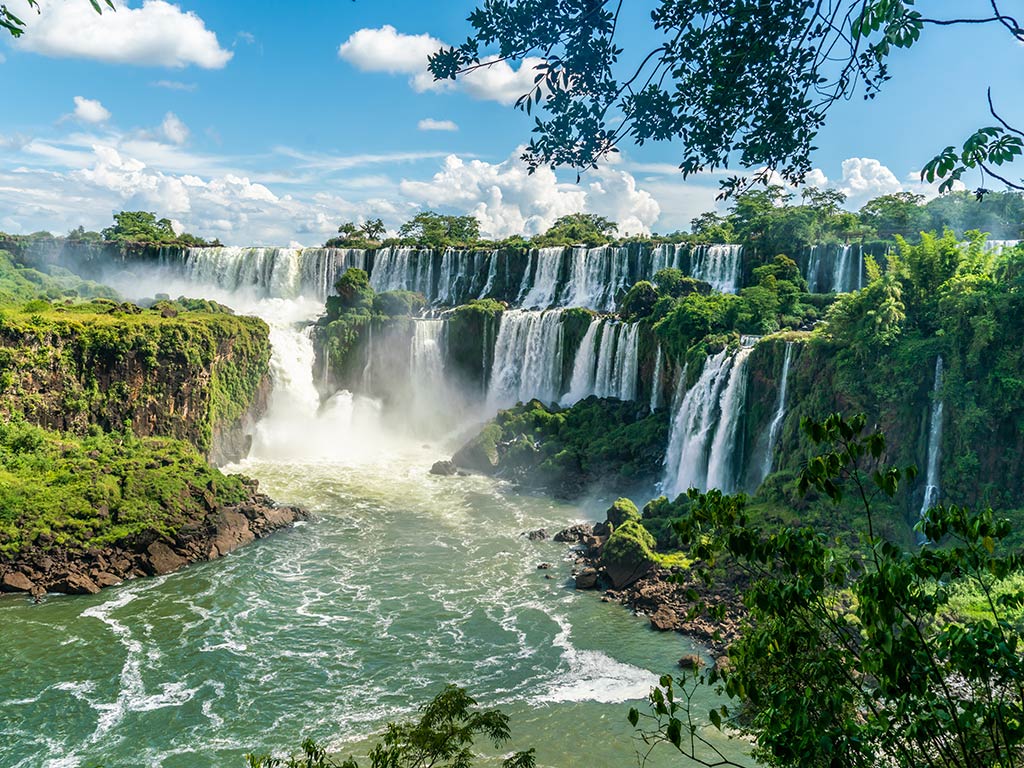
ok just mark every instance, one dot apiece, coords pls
pixel 201 377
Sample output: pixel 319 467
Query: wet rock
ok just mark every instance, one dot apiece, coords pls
pixel 445 468
pixel 538 535
pixel 543 566
pixel 664 619
pixel 75 584
pixel 574 534
pixel 481 453
pixel 163 559
pixel 232 532
pixel 586 579
pixel 723 665
pixel 16 582
pixel 691 661
pixel 104 579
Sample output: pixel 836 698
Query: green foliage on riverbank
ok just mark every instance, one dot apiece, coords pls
pixel 60 490
pixel 945 669
pixel 595 444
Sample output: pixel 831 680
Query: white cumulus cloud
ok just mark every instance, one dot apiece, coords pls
pixel 508 200
pixel 90 110
pixel 388 50
pixel 174 130
pixel 157 34
pixel 430 124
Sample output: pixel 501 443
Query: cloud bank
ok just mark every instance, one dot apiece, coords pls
pixel 157 34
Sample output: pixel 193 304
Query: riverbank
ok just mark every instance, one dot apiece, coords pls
pixel 44 568
pixel 674 599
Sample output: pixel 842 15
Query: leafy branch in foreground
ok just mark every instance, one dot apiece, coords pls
pixel 853 656
pixel 442 737
pixel 734 82
pixel 16 26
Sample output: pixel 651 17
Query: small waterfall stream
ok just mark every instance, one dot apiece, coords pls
pixel 703 438
pixel 780 414
pixel 932 491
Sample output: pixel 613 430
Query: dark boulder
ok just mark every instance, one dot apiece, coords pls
pixel 575 534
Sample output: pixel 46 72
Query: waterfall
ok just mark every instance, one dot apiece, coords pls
pixel 545 282
pixel 404 269
pixel 367 382
pixel 703 438
pixel 427 364
pixel 627 361
pixel 492 272
pixel 606 366
pixel 780 414
pixel 584 367
pixel 656 381
pixel 841 270
pixel 722 469
pixel 265 272
pixel 813 267
pixel 604 377
pixel 860 267
pixel 931 489
pixel 527 358
pixel 666 256
pixel 718 265
pixel 446 282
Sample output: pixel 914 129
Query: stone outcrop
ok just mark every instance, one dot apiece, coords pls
pixel 40 570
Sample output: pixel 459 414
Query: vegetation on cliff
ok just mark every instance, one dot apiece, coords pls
pixel 824 618
pixel 596 443
pixel 107 409
pixel 72 492
pixel 168 370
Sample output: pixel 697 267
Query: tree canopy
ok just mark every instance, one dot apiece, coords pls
pixel 143 228
pixel 734 82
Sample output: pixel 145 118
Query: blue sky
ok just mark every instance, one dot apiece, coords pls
pixel 263 122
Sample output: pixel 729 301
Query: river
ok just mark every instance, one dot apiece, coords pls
pixel 402 582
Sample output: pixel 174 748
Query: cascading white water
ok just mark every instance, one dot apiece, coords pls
pixel 693 424
pixel 780 415
pixel 998 246
pixel 545 286
pixel 841 270
pixel 404 269
pixel 703 436
pixel 606 365
pixel 813 268
pixel 931 489
pixel 722 469
pixel 718 265
pixel 604 377
pixel 271 272
pixel 427 363
pixel 666 256
pixel 527 358
pixel 656 381
pixel 585 366
pixel 492 273
pixel 597 277
pixel 627 361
